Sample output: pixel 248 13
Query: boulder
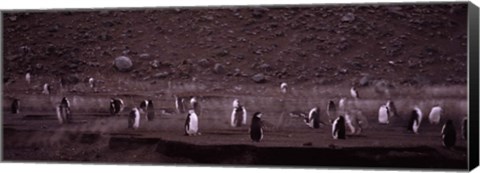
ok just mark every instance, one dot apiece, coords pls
pixel 123 64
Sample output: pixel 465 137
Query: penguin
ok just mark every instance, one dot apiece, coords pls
pixel 415 120
pixel 46 89
pixel 338 128
pixel 239 115
pixel 383 114
pixel 134 118
pixel 195 106
pixel 392 110
pixel 180 104
pixel 341 104
pixel 435 115
pixel 116 106
pixel 356 121
pixel 354 92
pixel 143 108
pixel 191 123
pixel 283 87
pixel 91 82
pixel 449 135
pixel 150 111
pixel 313 119
pixel 63 111
pixel 28 78
pixel 465 128
pixel 256 127
pixel 15 106
pixel 331 110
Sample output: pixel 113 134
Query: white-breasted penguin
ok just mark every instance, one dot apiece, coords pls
pixel 143 108
pixel 449 134
pixel 180 104
pixel 63 111
pixel 134 118
pixel 239 114
pixel 465 128
pixel 383 115
pixel 256 127
pixel 283 87
pixel 331 110
pixel 46 89
pixel 195 106
pixel 342 104
pixel 15 106
pixel 91 82
pixel 354 92
pixel 191 123
pixel 435 115
pixel 313 119
pixel 338 128
pixel 415 120
pixel 28 78
pixel 116 106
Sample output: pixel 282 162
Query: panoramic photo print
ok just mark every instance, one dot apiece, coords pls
pixel 353 85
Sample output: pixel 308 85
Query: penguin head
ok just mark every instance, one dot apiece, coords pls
pixel 257 115
pixel 193 100
pixel 235 103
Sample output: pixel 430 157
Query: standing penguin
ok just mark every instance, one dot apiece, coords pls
pixel 134 118
pixel 355 121
pixel 342 104
pixel 15 106
pixel 63 111
pixel 383 114
pixel 415 120
pixel 195 106
pixel 28 78
pixel 239 115
pixel 449 135
pixel 331 110
pixel 464 128
pixel 313 119
pixel 338 128
pixel 116 106
pixel 435 115
pixel 180 104
pixel 191 123
pixel 283 87
pixel 354 92
pixel 144 108
pixel 150 111
pixel 392 110
pixel 256 127
pixel 46 89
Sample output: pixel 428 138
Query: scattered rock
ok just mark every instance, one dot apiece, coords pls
pixel 12 18
pixel 204 62
pixel 259 78
pixel 219 69
pixel 265 67
pixel 349 17
pixel 161 75
pixel 123 64
pixel 144 55
pixel 155 63
pixel 364 81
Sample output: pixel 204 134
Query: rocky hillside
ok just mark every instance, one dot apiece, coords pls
pixel 327 45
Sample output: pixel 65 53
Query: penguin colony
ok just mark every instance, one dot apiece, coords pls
pixel 340 117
